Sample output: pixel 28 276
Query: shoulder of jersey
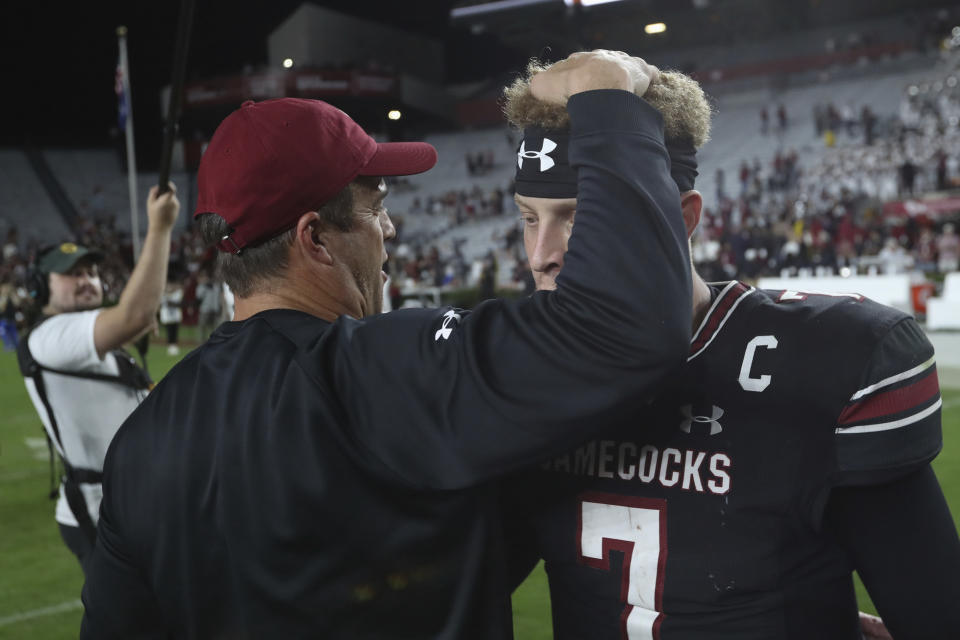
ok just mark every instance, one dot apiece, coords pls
pixel 829 325
pixel 828 312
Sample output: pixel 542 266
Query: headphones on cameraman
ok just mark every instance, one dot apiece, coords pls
pixel 38 283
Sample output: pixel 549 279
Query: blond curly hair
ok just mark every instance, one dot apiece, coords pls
pixel 678 97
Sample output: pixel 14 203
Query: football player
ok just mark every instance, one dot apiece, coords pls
pixel 793 448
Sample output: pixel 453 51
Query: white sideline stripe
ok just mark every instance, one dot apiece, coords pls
pixel 69 605
pixel 950 404
pixel 723 322
pixel 896 424
pixel 909 373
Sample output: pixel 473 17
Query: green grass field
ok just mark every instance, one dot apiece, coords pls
pixel 40 579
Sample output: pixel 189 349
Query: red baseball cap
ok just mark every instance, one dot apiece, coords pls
pixel 270 162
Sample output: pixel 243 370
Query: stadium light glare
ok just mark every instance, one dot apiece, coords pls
pixel 588 3
pixel 654 28
pixel 287 63
pixel 394 114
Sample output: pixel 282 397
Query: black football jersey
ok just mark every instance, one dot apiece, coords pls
pixel 701 519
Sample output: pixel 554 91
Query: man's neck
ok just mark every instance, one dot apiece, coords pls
pixel 702 298
pixel 313 300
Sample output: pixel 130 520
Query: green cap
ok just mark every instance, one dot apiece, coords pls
pixel 63 257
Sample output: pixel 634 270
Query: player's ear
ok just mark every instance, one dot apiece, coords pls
pixel 311 240
pixel 691 204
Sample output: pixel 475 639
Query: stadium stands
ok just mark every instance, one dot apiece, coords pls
pixel 24 204
pixel 779 200
pixel 97 183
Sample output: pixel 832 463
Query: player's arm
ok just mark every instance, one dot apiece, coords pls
pixel 487 392
pixel 134 313
pixel 902 541
pixel 520 547
pixel 886 507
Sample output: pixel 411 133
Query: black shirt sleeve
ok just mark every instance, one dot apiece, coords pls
pixel 447 400
pixel 902 541
pixel 119 602
pixel 891 423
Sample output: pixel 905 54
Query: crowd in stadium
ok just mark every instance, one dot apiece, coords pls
pixel 829 215
pixel 784 215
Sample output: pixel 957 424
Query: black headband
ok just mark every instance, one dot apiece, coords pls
pixel 543 170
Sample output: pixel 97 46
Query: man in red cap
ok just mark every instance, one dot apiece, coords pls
pixel 318 470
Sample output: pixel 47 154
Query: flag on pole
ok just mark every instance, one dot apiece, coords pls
pixel 121 97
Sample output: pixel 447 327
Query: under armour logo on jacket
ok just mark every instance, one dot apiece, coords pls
pixel 445 331
pixel 715 414
pixel 546 161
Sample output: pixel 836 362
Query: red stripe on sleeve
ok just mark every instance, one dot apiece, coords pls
pixel 718 315
pixel 895 401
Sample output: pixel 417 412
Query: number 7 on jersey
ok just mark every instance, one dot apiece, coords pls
pixel 638 528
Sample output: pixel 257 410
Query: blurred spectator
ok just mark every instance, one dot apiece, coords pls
pixel 764 120
pixel 942 184
pixel 9 305
pixel 171 315
pixel 819 119
pixel 948 248
pixel 894 258
pixel 925 251
pixel 479 163
pixel 869 122
pixel 488 277
pixel 210 304
pixel 908 175
pixel 782 117
pixel 719 180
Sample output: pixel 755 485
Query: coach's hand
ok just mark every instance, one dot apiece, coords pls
pixel 586 71
pixel 162 210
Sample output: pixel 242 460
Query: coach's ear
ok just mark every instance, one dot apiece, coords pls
pixel 310 239
pixel 691 204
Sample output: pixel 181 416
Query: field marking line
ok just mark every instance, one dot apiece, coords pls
pixel 950 404
pixel 38 447
pixel 69 605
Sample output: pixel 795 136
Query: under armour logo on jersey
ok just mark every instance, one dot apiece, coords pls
pixel 715 414
pixel 445 331
pixel 546 161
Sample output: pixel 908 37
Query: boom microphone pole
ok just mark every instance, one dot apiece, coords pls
pixel 184 27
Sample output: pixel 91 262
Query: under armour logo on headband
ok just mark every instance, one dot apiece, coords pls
pixel 546 162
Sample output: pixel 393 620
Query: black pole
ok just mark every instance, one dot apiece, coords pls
pixel 184 26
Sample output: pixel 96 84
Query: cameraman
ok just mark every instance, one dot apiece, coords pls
pixel 82 383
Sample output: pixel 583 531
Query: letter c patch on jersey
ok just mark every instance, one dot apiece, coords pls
pixel 759 383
